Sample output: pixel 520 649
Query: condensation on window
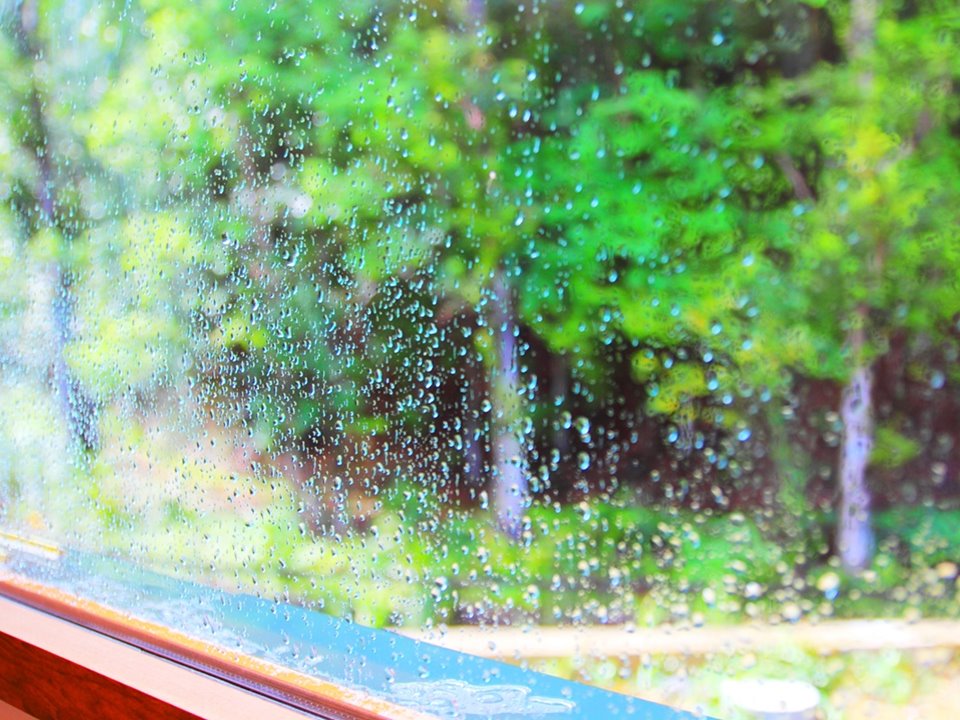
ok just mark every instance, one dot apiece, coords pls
pixel 612 339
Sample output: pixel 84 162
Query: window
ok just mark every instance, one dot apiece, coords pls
pixel 589 336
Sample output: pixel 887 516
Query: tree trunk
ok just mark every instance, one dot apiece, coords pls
pixel 472 476
pixel 559 389
pixel 509 474
pixel 77 408
pixel 854 534
pixel 863 25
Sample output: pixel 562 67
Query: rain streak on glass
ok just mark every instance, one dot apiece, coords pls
pixel 612 339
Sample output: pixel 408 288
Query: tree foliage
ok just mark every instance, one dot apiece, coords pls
pixel 324 226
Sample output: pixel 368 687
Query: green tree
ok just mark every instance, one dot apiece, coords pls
pixel 865 145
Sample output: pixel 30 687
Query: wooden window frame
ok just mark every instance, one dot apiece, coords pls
pixel 64 656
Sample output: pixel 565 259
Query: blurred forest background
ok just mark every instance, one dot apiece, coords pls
pixel 482 311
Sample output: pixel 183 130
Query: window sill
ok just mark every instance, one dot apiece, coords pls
pixel 88 637
pixel 54 667
pixel 50 667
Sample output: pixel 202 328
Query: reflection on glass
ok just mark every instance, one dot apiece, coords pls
pixel 475 317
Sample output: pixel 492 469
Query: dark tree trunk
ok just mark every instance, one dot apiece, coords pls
pixel 559 389
pixel 471 429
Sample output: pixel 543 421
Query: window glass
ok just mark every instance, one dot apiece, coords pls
pixel 611 339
